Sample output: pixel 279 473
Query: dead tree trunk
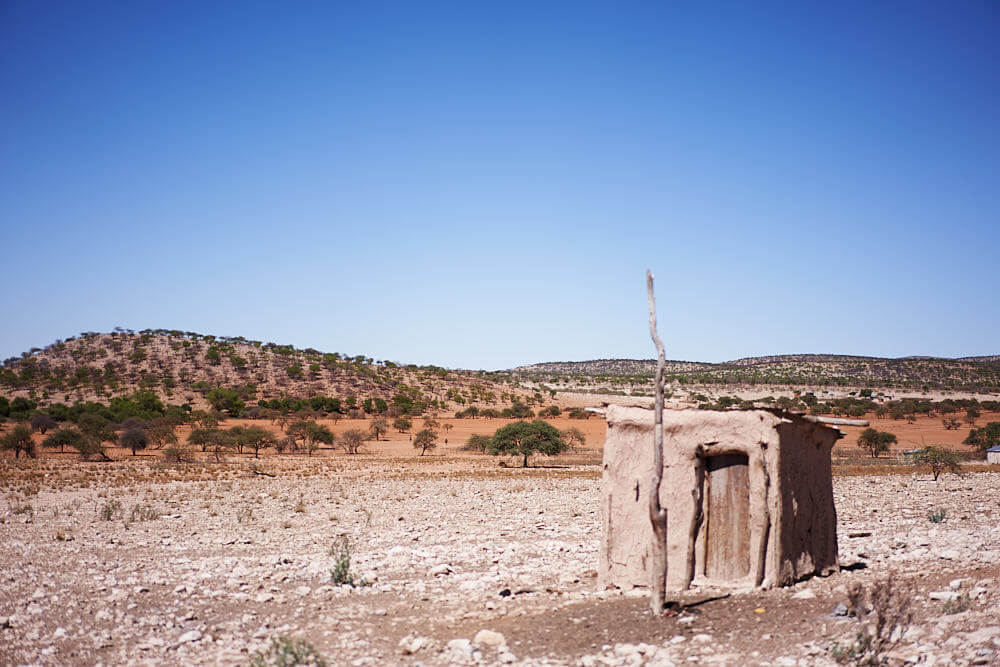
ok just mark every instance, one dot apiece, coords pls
pixel 657 514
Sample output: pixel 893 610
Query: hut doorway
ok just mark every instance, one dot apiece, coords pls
pixel 727 517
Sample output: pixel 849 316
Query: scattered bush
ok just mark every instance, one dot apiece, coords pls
pixel 19 440
pixel 341 573
pixel 883 614
pixel 477 443
pixel 876 442
pixel 939 459
pixel 937 515
pixel 285 652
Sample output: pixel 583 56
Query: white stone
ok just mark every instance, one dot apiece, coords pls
pixel 489 638
pixel 461 648
pixel 804 594
pixel 189 636
pixel 944 596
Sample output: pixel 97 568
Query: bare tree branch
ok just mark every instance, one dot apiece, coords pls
pixel 657 514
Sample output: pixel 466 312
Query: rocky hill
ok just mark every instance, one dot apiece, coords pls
pixel 183 366
pixel 980 374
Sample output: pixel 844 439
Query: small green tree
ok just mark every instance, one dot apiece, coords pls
pixel 19 440
pixel 317 434
pixel 378 427
pixel 971 415
pixel 526 438
pixel 133 438
pixel 939 459
pixel 477 443
pixel 63 437
pixel 402 424
pixel 985 437
pixel 425 440
pixel 226 399
pixel 252 437
pixel 875 442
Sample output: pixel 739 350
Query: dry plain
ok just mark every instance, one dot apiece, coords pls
pixel 140 561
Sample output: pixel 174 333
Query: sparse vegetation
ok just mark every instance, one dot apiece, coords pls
pixel 425 441
pixel 883 612
pixel 876 442
pixel 526 438
pixel 937 515
pixel 288 652
pixel 939 459
pixel 341 573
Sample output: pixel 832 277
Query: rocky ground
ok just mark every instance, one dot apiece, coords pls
pixel 452 562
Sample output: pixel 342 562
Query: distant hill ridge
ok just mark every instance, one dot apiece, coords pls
pixel 966 374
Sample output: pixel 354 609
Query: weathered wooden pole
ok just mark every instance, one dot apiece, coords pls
pixel 657 514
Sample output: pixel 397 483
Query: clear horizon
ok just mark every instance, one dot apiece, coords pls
pixel 483 187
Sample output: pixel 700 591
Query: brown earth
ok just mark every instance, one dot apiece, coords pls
pixel 138 561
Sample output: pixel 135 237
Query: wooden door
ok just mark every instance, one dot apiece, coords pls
pixel 727 502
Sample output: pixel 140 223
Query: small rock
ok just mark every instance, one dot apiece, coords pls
pixel 839 610
pixel 702 638
pixel 956 584
pixel 944 596
pixel 189 636
pixel 461 648
pixel 804 594
pixel 440 570
pixel 506 657
pixel 489 638
pixel 983 635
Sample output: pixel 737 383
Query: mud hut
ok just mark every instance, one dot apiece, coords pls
pixel 749 497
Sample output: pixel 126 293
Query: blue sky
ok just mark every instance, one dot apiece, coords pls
pixel 483 185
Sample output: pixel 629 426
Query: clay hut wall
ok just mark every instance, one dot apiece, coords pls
pixel 748 494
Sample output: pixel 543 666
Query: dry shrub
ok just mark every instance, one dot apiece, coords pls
pixel 884 613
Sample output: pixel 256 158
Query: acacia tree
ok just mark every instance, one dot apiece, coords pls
pixel 161 432
pixel 317 434
pixel 526 438
pixel 985 437
pixel 378 427
pixel 351 440
pixel 425 440
pixel 97 430
pixel 402 424
pixel 252 437
pixel 42 423
pixel 876 442
pixel 63 437
pixel 938 459
pixel 477 443
pixel 19 440
pixel 133 438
